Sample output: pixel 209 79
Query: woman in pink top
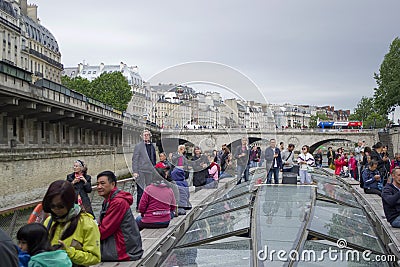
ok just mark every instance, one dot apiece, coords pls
pixel 353 166
pixel 157 204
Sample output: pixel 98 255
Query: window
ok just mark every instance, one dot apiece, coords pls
pixel 84 72
pixel 94 72
pixel 89 72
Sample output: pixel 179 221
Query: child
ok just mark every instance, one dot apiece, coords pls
pixel 353 166
pixel 34 239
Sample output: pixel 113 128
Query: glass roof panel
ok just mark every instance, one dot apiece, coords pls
pixel 339 221
pixel 338 257
pixel 238 189
pixel 325 178
pixel 237 253
pixel 336 192
pixel 216 226
pixel 226 205
pixel 281 217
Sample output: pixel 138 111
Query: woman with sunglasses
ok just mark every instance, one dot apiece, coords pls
pixel 71 228
pixel 305 160
pixel 82 185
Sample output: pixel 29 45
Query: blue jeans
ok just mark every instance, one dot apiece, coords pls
pixel 396 222
pixel 274 171
pixel 242 171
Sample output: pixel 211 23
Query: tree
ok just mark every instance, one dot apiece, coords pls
pixel 314 119
pixel 367 113
pixel 78 84
pixel 387 94
pixel 111 89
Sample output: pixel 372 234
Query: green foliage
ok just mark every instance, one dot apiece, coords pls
pixel 387 94
pixel 314 119
pixel 78 84
pixel 110 88
pixel 367 113
pixel 363 109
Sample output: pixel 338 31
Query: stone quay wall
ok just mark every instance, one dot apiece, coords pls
pixel 395 139
pixel 27 173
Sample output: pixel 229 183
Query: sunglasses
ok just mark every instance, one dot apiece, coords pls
pixel 304 148
pixel 58 206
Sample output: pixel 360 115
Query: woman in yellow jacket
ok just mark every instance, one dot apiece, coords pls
pixel 69 227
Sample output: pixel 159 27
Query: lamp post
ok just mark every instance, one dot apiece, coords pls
pixel 304 114
pixel 216 117
pixel 155 115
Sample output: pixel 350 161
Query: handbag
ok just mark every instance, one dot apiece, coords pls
pixel 332 166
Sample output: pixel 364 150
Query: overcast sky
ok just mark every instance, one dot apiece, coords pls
pixel 301 51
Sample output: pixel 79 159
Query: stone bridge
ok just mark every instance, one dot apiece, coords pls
pixel 209 139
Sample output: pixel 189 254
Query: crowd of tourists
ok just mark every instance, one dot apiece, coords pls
pixel 72 235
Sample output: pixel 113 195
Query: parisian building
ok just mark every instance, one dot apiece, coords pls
pixel 26 44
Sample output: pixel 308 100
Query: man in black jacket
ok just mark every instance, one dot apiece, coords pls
pixel 391 199
pixel 376 155
pixel 242 154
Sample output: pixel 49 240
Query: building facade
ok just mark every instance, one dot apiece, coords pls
pixel 26 44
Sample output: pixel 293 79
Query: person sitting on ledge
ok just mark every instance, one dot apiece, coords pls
pixel 372 179
pixel 391 199
pixel 157 205
pixel 120 238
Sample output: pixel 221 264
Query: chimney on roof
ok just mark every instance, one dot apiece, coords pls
pixel 24 7
pixel 32 12
pixel 101 67
pixel 80 67
pixel 134 69
pixel 121 66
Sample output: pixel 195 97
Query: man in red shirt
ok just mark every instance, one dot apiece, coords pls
pixel 120 238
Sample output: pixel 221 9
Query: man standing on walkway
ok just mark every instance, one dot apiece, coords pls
pixel 273 161
pixel 391 199
pixel 288 159
pixel 120 238
pixel 331 157
pixel 143 162
pixel 242 154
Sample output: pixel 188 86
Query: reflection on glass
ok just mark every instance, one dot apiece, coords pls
pixel 282 212
pixel 236 253
pixel 339 221
pixel 217 225
pixel 325 179
pixel 226 205
pixel 314 256
pixel 238 190
pixel 337 192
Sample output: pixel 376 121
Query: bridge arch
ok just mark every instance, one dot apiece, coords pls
pixel 213 139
